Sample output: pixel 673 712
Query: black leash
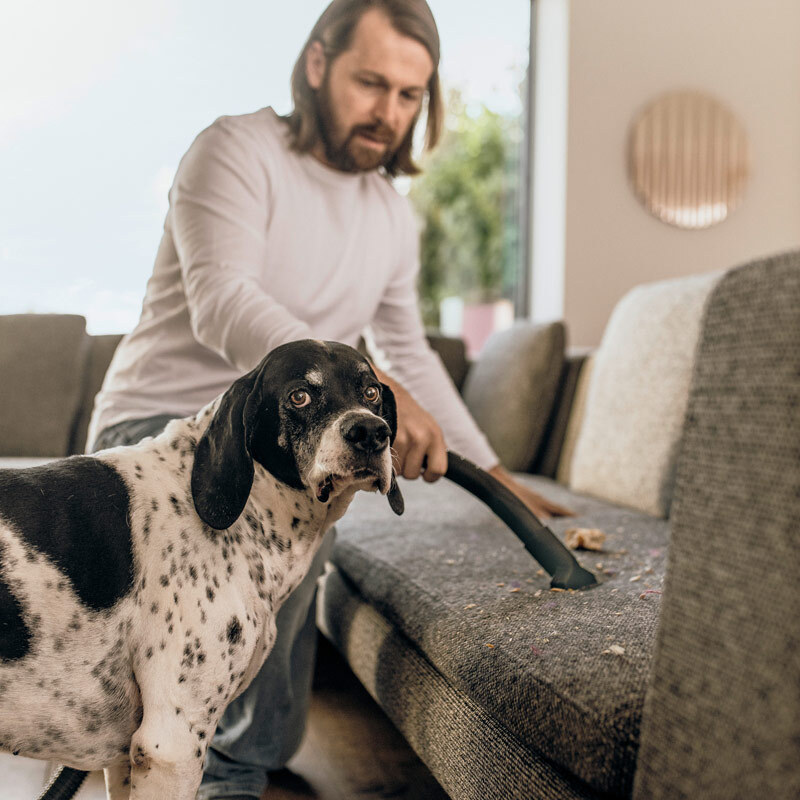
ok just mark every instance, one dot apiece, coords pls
pixel 64 784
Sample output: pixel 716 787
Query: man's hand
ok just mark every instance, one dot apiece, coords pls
pixel 541 506
pixel 419 448
pixel 419 438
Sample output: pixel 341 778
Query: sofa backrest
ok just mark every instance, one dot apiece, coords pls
pixel 721 715
pixel 50 371
pixel 101 350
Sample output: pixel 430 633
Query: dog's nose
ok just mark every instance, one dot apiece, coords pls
pixel 370 434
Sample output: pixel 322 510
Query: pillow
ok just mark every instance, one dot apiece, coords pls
pixel 510 389
pixel 636 401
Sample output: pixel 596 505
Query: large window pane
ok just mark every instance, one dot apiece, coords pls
pixel 104 98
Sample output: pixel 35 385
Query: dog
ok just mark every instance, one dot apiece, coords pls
pixel 139 586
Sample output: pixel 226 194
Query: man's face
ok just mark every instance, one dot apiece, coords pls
pixel 369 96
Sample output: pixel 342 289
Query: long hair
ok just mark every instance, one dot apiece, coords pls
pixel 334 30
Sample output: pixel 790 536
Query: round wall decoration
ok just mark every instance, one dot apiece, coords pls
pixel 689 159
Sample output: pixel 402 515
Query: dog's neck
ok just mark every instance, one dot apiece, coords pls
pixel 283 527
pixel 281 523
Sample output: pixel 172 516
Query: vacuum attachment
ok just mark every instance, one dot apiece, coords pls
pixel 538 539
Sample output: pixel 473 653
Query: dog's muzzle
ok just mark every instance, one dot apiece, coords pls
pixel 355 451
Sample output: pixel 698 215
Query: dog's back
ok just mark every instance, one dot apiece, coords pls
pixel 66 560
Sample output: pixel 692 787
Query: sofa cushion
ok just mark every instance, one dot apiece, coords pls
pixel 42 360
pixel 510 389
pixel 540 664
pixel 472 755
pixel 636 403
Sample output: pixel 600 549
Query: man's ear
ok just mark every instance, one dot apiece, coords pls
pixel 316 62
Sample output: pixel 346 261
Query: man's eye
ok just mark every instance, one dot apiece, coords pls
pixel 372 394
pixel 299 398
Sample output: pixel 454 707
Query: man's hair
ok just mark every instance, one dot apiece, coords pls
pixel 334 30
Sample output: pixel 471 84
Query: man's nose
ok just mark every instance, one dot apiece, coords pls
pixel 387 109
pixel 368 434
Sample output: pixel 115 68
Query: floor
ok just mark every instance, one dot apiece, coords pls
pixel 351 750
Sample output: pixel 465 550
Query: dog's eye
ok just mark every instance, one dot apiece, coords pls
pixel 300 398
pixel 372 394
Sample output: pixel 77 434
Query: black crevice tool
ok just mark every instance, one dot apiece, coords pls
pixel 538 539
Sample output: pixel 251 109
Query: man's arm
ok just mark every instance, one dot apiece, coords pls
pixel 419 375
pixel 219 208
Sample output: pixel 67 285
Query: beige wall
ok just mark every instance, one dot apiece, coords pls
pixel 622 53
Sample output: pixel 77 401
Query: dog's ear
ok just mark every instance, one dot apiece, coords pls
pixel 395 498
pixel 389 409
pixel 389 413
pixel 222 474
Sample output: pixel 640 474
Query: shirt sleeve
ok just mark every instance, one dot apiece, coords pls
pixel 400 335
pixel 219 213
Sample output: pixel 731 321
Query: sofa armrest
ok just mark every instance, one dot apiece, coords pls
pixel 721 716
pixel 453 352
pixel 549 455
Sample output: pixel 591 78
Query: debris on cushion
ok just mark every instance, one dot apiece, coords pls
pixel 585 538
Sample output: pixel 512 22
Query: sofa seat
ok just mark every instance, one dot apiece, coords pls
pixel 447 620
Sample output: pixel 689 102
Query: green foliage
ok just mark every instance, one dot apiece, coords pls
pixel 466 199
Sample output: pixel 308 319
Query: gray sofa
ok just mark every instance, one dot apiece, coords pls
pixel 679 675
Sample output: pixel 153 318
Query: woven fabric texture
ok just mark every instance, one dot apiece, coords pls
pixel 723 713
pixel 510 389
pixel 577 412
pixel 625 451
pixel 42 360
pixel 563 672
pixel 471 753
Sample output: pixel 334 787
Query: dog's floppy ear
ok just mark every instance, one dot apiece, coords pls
pixel 222 474
pixel 389 413
pixel 389 409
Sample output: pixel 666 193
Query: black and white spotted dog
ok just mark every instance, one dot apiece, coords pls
pixel 139 586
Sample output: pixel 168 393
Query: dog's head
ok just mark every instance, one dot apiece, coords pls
pixel 314 415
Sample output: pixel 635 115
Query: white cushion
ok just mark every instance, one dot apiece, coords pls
pixel 636 402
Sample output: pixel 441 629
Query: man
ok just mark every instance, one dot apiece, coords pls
pixel 282 229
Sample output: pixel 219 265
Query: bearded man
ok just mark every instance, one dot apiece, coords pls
pixel 285 228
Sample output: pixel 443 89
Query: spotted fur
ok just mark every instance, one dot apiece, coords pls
pixel 139 587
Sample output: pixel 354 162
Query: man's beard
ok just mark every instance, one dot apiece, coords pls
pixel 346 155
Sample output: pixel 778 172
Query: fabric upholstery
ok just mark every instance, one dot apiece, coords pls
pixel 453 352
pixel 723 712
pixel 452 579
pixel 472 755
pixel 100 354
pixel 510 389
pixel 548 456
pixel 626 448
pixel 42 359
pixel 577 412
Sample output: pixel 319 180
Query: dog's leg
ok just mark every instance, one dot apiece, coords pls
pixel 167 758
pixel 118 781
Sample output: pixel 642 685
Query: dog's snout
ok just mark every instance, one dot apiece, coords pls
pixel 370 434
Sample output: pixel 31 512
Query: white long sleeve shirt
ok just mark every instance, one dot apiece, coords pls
pixel 263 246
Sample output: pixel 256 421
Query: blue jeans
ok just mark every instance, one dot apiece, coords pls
pixel 262 728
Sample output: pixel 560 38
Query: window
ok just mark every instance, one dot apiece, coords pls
pixel 106 98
